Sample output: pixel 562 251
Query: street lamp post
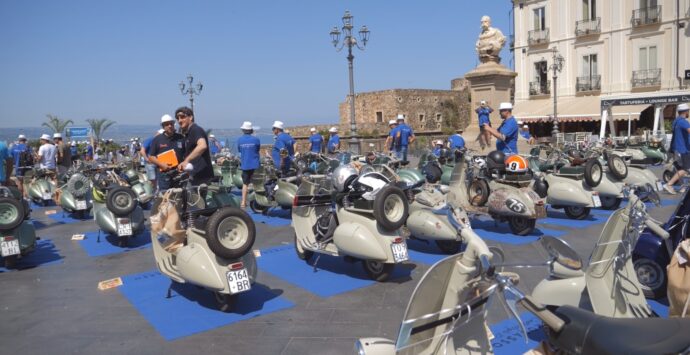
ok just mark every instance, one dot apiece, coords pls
pixel 556 66
pixel 350 41
pixel 190 89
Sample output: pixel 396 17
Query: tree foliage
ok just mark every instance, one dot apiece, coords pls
pixel 99 126
pixel 56 124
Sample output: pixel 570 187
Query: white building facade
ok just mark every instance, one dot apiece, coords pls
pixel 612 50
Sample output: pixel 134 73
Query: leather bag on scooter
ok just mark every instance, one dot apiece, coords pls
pixel 678 272
pixel 167 222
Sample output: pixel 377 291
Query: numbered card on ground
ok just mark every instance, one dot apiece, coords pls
pixel 78 236
pixel 108 284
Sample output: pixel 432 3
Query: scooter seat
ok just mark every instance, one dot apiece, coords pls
pixel 594 334
pixel 572 170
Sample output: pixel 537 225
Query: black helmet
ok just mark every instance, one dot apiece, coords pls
pixel 496 160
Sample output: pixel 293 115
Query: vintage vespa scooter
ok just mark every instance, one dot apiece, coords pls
pixel 17 233
pixel 75 195
pixel 216 256
pixel 609 285
pixel 447 313
pixel 271 191
pixel 41 187
pixel 354 215
pixel 120 214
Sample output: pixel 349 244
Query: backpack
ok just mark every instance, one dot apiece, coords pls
pixel 26 159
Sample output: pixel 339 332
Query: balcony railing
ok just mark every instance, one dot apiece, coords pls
pixel 537 88
pixel 589 83
pixel 649 77
pixel 588 27
pixel 538 36
pixel 646 16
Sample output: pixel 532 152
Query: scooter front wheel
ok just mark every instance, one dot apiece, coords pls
pixel 652 278
pixel 11 261
pixel 521 225
pixel 377 270
pixel 576 212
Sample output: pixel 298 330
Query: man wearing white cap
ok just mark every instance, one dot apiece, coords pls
pixel 524 133
pixel 162 143
pixel 507 133
pixel 483 112
pixel 64 154
pixel 403 137
pixel 47 154
pixel 248 146
pixel 214 145
pixel 333 140
pixel 438 145
pixel 283 148
pixel 390 140
pixel 680 146
pixel 23 159
pixel 315 141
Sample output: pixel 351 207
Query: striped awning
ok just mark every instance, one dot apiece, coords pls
pixel 572 109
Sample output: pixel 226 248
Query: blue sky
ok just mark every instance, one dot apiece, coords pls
pixel 258 60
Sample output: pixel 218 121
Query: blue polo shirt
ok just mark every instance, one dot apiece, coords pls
pixel 404 132
pixel 248 146
pixel 17 150
pixel 436 152
pixel 509 128
pixel 214 148
pixel 681 144
pixel 483 113
pixel 283 141
pixel 525 134
pixel 316 140
pixel 333 142
pixel 73 151
pixel 89 151
pixel 456 142
pixel 147 144
pixel 394 142
pixel 4 155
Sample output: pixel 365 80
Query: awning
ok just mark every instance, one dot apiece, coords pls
pixel 572 109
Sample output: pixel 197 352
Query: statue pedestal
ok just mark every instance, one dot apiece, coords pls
pixel 493 83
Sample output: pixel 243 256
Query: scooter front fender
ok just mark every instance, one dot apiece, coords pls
pixel 561 292
pixel 424 224
pixel 640 177
pixel 567 192
pixel 358 241
pixel 285 194
pixel 38 188
pixel 375 346
pixel 25 233
pixel 608 186
pixel 196 266
pixel 502 202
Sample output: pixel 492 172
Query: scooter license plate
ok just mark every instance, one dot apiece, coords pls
pixel 81 205
pixel 238 281
pixel 9 247
pixel 47 196
pixel 399 252
pixel 596 201
pixel 659 186
pixel 124 227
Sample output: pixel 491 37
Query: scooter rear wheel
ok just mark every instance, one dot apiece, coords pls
pixel 226 302
pixel 11 261
pixel 377 270
pixel 668 174
pixel 256 207
pixel 610 202
pixel 521 225
pixel 576 212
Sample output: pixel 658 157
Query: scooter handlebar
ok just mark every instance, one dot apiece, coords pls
pixel 657 229
pixel 546 316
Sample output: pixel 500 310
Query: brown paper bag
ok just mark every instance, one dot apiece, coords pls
pixel 56 196
pixel 167 222
pixel 678 272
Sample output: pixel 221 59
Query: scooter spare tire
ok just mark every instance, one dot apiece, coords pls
pixel 593 172
pixel 391 208
pixel 479 192
pixel 230 233
pixel 78 185
pixel 121 201
pixel 11 213
pixel 617 166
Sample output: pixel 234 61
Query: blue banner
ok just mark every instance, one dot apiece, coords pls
pixel 78 132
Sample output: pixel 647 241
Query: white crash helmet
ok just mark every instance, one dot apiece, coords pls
pixel 343 176
pixel 479 162
pixel 374 182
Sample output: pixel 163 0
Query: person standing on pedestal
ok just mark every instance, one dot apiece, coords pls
pixel 507 133
pixel 483 112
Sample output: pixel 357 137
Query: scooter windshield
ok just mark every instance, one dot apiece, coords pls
pixel 445 313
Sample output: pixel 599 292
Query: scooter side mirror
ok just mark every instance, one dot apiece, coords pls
pixel 561 252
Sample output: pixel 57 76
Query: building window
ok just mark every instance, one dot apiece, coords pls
pixel 540 19
pixel 589 9
pixel 590 79
pixel 648 74
pixel 647 58
pixel 379 117
pixel 541 85
pixel 421 118
pixel 438 117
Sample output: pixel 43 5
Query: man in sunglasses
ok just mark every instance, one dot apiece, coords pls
pixel 162 143
pixel 196 147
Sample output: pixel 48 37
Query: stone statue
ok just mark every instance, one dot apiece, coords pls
pixel 490 42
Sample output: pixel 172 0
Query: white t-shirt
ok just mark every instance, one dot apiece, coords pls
pixel 48 153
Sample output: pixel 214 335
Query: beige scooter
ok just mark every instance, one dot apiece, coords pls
pixel 217 256
pixel 608 285
pixel 361 220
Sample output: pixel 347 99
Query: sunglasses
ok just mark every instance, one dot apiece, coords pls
pixel 168 124
pixel 181 116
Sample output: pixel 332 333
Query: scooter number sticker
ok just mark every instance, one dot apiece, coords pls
pixel 659 186
pixel 399 252
pixel 124 227
pixel 81 205
pixel 238 281
pixel 596 201
pixel 10 247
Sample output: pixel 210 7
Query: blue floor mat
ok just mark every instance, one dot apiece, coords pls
pixel 508 338
pixel 49 203
pixel 559 218
pixel 44 254
pixel 426 251
pixel 41 225
pixel 487 229
pixel 109 244
pixel 660 307
pixel 275 217
pixel 67 218
pixel 191 309
pixel 333 275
